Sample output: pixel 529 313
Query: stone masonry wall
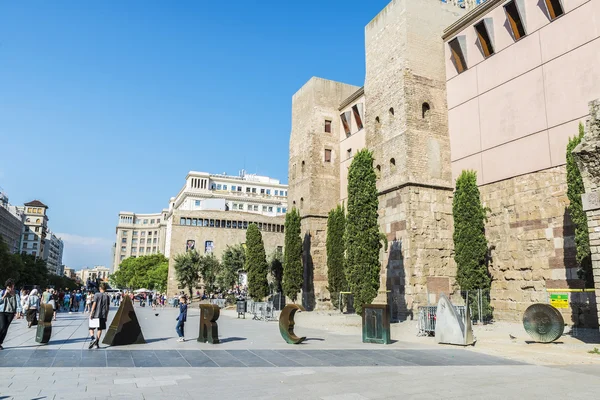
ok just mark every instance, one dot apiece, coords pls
pixel 532 240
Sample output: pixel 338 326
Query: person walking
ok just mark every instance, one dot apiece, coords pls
pixel 8 309
pixel 99 315
pixel 88 302
pixel 181 318
pixel 33 302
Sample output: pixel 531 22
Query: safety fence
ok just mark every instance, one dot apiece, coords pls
pixel 261 311
pixel 427 318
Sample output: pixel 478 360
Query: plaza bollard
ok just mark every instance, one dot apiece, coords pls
pixel 241 308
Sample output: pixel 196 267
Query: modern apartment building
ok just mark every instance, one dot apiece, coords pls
pixel 53 253
pixel 138 235
pixel 210 212
pixel 12 221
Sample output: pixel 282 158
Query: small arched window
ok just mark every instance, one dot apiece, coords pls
pixel 425 110
pixel 302 168
pixel 377 119
pixel 392 162
pixel 392 111
pixel 301 202
pixel 378 171
pixel 37 221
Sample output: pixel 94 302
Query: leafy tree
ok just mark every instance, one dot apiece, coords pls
pixel 209 268
pixel 11 265
pixel 362 238
pixel 292 257
pixel 232 262
pixel 187 270
pixel 470 244
pixel 574 190
pixel 336 275
pixel 256 264
pixel 276 270
pixel 62 282
pixel 33 270
pixel 138 272
pixel 158 276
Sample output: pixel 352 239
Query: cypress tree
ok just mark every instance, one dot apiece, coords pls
pixel 292 258
pixel 362 238
pixel 256 264
pixel 470 244
pixel 336 224
pixel 574 190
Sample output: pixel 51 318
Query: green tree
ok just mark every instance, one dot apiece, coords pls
pixel 136 272
pixel 33 270
pixel 470 244
pixel 292 256
pixel 574 191
pixel 187 270
pixel 276 270
pixel 158 276
pixel 256 264
pixel 336 275
pixel 209 268
pixel 11 265
pixel 232 262
pixel 362 239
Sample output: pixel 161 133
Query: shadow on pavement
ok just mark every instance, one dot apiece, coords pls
pixel 232 339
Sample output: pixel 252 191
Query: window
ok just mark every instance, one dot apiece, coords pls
pixel 141 249
pixel 357 111
pixel 262 191
pixel 124 234
pixel 264 208
pixel 135 233
pixel 219 186
pixel 154 249
pixel 425 110
pixel 158 221
pixel 327 126
pixel 349 153
pixel 224 187
pixel 37 229
pixel 37 221
pixel 142 241
pixel 378 171
pixel 277 193
pixel 147 249
pixel 554 8
pixel 284 210
pixel 134 241
pixel 233 188
pixel 205 222
pixel 124 240
pixel 278 209
pixel 145 221
pixel 24 245
pixel 253 190
pixel 218 223
pixel 234 206
pixel 485 42
pixel 392 162
pixel 327 155
pixel 143 233
pixel 209 246
pixel 34 253
pixel 151 221
pixel 123 248
pixel 391 111
pixel 302 166
pixel 197 203
pixel 255 207
pixel 188 221
pixel 247 189
pixel 245 224
pixel 212 223
pixel 194 222
pixel 301 202
pixel 514 20
pixel 155 233
pixel 213 186
pixel 154 240
pixel 122 258
pixel 228 224
pixel 149 233
pixel 270 209
pixel 345 117
pixel 268 191
pixel 458 57
pixel 239 189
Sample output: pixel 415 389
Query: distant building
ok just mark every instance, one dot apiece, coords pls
pixel 38 240
pixel 69 273
pixel 11 224
pixel 138 235
pixel 99 272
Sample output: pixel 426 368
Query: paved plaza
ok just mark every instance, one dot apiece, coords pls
pixel 253 361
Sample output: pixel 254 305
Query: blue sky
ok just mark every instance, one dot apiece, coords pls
pixel 105 106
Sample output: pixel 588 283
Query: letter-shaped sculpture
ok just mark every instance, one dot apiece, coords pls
pixel 124 328
pixel 209 331
pixel 286 324
pixel 44 328
pixel 450 327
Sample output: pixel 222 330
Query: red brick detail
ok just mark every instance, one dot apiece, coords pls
pixel 438 284
pixel 565 284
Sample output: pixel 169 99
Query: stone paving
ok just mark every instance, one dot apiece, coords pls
pixel 254 362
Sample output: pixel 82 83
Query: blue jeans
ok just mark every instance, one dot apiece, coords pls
pixel 179 328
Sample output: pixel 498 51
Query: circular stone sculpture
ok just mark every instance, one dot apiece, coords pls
pixel 543 323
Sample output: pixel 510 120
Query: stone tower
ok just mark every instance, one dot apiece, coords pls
pixel 314 176
pixel 407 130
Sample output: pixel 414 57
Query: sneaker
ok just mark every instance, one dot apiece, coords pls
pixel 181 339
pixel 92 342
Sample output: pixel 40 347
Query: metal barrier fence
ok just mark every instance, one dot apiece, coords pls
pixel 262 311
pixel 220 302
pixel 427 318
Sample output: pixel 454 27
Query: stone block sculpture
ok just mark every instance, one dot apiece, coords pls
pixel 209 331
pixel 124 328
pixel 450 327
pixel 286 324
pixel 44 328
pixel 376 324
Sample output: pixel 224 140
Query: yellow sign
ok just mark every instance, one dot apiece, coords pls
pixel 559 300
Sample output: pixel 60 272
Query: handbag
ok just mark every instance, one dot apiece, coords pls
pixel 94 323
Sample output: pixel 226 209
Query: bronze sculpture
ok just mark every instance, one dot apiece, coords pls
pixel 209 331
pixel 286 324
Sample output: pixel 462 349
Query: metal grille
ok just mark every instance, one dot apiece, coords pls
pixel 427 318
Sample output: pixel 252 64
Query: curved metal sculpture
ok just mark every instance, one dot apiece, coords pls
pixel 44 328
pixel 209 331
pixel 543 322
pixel 286 324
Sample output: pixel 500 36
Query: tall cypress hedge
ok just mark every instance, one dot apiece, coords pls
pixel 574 190
pixel 256 264
pixel 336 275
pixel 292 257
pixel 470 244
pixel 363 240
